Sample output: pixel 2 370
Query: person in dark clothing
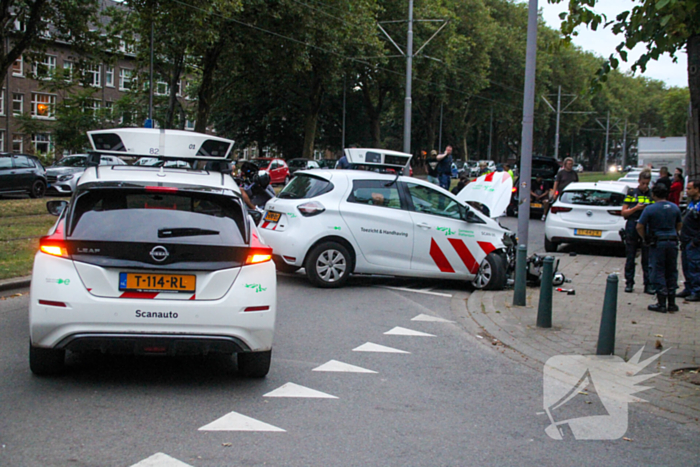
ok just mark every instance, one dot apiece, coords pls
pixel 463 181
pixel 690 244
pixel 444 167
pixel 660 223
pixel 636 201
pixel 664 178
pixel 565 176
pixel 342 163
pixel 431 168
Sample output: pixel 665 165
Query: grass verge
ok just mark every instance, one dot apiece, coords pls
pixel 22 222
pixel 599 176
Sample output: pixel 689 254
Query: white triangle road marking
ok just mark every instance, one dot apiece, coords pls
pixel 399 331
pixel 370 347
pixel 433 319
pixel 237 422
pixel 295 390
pixel 160 460
pixel 335 365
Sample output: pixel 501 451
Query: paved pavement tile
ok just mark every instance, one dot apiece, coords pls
pixel 576 323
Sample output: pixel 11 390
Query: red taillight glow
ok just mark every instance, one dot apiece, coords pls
pixel 259 252
pixel 556 209
pixel 53 244
pixel 257 308
pixel 615 212
pixel 161 189
pixel 514 189
pixel 258 258
pixel 52 303
pixel 53 250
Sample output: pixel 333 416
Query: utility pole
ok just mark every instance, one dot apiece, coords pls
pixel 556 139
pixel 607 139
pixel 624 147
pixel 440 137
pixel 409 79
pixel 490 134
pixel 560 111
pixel 342 144
pixel 519 297
pixel 149 122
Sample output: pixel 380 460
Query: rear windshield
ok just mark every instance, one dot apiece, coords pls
pixel 121 215
pixel 72 162
pixel 305 186
pixel 592 198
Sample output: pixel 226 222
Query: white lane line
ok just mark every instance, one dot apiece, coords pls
pixel 370 347
pixel 237 422
pixel 335 365
pixel 429 318
pixel 160 460
pixel 399 331
pixel 295 390
pixel 402 289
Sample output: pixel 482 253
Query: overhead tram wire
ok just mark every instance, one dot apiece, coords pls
pixel 352 59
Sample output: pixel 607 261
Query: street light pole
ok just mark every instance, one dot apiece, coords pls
pixel 556 138
pixel 519 297
pixel 409 78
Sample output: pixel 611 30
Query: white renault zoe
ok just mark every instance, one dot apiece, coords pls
pixel 153 260
pixel 335 223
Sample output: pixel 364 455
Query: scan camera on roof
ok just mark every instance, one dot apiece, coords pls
pixel 164 144
pixel 379 158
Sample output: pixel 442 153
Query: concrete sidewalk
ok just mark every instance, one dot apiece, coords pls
pixel 576 322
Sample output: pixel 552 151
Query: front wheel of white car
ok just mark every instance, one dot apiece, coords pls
pixel 491 274
pixel 328 265
pixel 44 362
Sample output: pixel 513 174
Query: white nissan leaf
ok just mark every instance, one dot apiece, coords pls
pixel 153 260
pixel 371 220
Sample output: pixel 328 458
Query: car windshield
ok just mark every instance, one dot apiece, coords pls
pixel 592 198
pixel 305 186
pixel 204 218
pixel 72 162
pixel 261 163
pixel 298 163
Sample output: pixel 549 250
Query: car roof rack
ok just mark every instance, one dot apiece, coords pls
pixel 377 159
pixel 161 144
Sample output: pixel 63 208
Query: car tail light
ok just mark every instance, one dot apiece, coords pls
pixel 257 308
pixel 52 303
pixel 514 189
pixel 161 189
pixel 556 209
pixel 259 253
pixel 53 244
pixel 312 208
pixel 615 212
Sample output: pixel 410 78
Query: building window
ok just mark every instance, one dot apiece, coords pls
pixel 43 105
pixel 189 124
pixel 42 143
pixel 161 88
pixel 2 104
pixel 17 143
pixel 109 76
pixel 68 68
pixel 17 104
pixel 44 67
pixel 93 75
pixel 20 26
pixel 109 106
pixel 2 140
pixel 92 106
pixel 18 67
pixel 124 79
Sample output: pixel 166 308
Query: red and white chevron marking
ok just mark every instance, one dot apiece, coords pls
pixel 463 252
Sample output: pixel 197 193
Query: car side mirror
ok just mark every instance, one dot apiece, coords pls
pixel 56 207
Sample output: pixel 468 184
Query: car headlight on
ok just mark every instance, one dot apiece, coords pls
pixel 65 178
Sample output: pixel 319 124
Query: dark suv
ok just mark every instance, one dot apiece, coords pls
pixel 547 167
pixel 21 173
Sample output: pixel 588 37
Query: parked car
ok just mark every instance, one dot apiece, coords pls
pixel 633 177
pixel 547 168
pixel 327 163
pixel 277 168
pixel 22 173
pixel 63 176
pixel 586 213
pixel 302 164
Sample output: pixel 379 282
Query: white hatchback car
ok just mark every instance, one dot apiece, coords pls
pixel 337 222
pixel 586 213
pixel 155 261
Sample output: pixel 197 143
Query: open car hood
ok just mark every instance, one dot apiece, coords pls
pixel 492 190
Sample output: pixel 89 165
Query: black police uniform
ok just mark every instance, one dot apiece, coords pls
pixel 690 252
pixel 633 240
pixel 660 221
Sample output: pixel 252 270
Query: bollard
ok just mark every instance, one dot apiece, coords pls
pixel 544 310
pixel 606 335
pixel 520 294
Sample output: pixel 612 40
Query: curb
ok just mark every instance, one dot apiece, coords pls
pixel 15 283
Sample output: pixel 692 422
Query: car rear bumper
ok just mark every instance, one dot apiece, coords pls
pixel 149 344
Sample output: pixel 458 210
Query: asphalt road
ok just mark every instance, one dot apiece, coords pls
pixel 453 400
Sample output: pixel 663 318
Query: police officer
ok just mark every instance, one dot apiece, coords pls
pixel 660 224
pixel 690 244
pixel 637 199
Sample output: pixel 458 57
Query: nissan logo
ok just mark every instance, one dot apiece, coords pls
pixel 159 253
